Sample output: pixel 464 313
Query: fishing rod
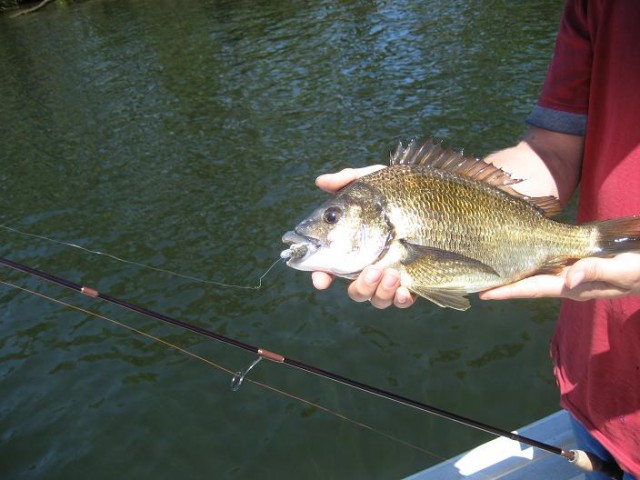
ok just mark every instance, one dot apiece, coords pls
pixel 585 461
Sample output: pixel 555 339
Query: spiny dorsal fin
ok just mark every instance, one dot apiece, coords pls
pixel 432 155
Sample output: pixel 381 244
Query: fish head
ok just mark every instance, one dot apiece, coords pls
pixel 342 236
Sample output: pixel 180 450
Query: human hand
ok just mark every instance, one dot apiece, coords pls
pixel 381 287
pixel 586 279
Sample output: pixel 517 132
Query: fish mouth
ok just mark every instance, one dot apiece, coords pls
pixel 300 246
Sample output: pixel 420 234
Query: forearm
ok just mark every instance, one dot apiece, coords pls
pixel 548 163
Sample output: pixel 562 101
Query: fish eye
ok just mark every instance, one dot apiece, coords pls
pixel 332 215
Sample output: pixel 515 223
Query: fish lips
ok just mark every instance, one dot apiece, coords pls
pixel 300 247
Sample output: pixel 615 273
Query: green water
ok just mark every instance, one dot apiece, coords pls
pixel 186 136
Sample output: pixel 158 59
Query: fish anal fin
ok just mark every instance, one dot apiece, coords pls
pixel 554 267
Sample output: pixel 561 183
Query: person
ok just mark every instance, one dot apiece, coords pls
pixel 583 131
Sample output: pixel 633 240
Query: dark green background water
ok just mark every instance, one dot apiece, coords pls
pixel 186 135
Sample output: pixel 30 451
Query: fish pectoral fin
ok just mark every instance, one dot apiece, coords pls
pixel 441 260
pixel 440 275
pixel 444 297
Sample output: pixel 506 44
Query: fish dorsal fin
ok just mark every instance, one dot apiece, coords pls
pixel 432 155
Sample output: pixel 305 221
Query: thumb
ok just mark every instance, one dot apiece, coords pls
pixel 589 269
pixel 575 276
pixel 332 182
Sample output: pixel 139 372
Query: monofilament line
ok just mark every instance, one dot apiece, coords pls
pixel 211 363
pixel 142 265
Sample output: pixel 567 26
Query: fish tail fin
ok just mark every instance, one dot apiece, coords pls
pixel 617 235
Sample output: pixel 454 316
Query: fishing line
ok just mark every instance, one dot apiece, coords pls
pixel 213 364
pixel 258 286
pixel 245 346
pixel 581 459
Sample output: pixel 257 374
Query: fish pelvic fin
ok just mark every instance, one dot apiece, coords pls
pixel 432 155
pixel 445 297
pixel 438 275
pixel 617 235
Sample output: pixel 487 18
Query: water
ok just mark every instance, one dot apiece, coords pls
pixel 186 136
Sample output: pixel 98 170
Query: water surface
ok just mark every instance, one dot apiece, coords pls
pixel 186 136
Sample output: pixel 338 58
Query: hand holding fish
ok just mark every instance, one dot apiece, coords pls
pixel 587 279
pixel 441 225
pixel 380 287
pixel 332 182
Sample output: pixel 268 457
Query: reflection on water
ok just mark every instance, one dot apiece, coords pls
pixel 186 136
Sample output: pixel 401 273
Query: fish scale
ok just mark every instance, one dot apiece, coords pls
pixel 450 224
pixel 470 218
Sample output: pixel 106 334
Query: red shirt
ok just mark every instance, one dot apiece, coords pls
pixel 596 348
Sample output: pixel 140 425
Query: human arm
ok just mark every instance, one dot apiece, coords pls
pixel 547 162
pixel 586 279
pixel 550 163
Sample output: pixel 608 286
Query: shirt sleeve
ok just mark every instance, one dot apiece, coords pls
pixel 563 104
pixel 558 121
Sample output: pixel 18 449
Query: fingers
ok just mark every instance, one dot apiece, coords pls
pixel 375 285
pixel 622 270
pixel 404 298
pixel 588 278
pixel 531 287
pixel 321 280
pixel 332 182
pixel 604 277
pixel 585 270
pixel 380 287
pixel 591 290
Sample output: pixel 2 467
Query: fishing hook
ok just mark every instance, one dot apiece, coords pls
pixel 238 377
pixel 583 460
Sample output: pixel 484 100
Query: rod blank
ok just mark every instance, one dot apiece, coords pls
pixel 585 461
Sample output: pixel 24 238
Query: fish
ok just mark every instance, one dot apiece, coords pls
pixel 450 224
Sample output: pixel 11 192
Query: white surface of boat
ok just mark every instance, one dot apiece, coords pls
pixel 506 459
